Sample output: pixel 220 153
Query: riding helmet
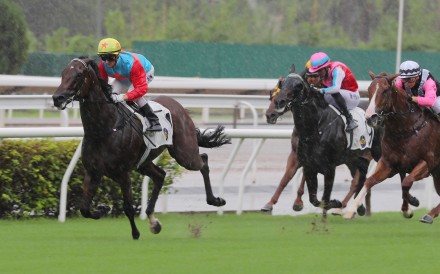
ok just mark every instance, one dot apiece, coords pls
pixel 109 46
pixel 409 69
pixel 318 61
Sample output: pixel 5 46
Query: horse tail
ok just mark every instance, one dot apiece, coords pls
pixel 211 139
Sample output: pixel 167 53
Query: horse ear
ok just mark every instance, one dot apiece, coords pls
pixel 392 77
pixel 371 74
pixel 280 80
pixel 292 68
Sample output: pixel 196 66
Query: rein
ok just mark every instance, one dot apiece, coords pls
pixel 411 109
pixel 126 117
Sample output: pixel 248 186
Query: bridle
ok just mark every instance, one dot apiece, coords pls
pixel 299 102
pixel 383 115
pixel 386 114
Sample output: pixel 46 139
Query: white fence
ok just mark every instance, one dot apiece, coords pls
pixel 164 83
pixel 241 134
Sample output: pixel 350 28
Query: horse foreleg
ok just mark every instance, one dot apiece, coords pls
pixel 291 169
pixel 158 176
pixel 90 186
pixel 326 203
pixel 420 171
pixel 298 204
pixel 368 203
pixel 210 198
pixel 312 186
pixel 382 172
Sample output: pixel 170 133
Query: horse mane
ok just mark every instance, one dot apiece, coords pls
pixel 106 87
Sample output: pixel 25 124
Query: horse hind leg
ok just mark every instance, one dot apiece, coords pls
pixel 158 176
pixel 90 186
pixel 210 198
pixel 190 159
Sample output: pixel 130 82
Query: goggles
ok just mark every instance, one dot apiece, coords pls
pixel 108 57
pixel 409 80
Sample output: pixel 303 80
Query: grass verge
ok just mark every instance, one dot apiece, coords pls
pixel 208 243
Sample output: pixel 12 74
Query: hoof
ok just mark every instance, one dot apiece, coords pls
pixel 349 215
pixel 337 211
pixel 427 219
pixel 333 204
pixel 413 201
pixel 408 214
pixel 361 210
pixel 267 208
pixel 136 235
pixel 217 202
pixel 155 227
pixel 298 207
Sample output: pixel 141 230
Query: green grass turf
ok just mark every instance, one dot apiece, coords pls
pixel 208 243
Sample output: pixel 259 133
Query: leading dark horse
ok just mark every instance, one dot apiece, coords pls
pixel 411 142
pixel 113 143
pixel 322 144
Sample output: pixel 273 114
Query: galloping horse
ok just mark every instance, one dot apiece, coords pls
pixel 322 144
pixel 113 141
pixel 293 164
pixel 411 141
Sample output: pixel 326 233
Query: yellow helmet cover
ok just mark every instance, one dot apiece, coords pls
pixel 109 46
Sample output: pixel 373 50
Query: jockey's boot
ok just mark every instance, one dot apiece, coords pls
pixel 342 106
pixel 148 113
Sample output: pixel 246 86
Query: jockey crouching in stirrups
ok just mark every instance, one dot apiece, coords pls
pixel 132 72
pixel 342 88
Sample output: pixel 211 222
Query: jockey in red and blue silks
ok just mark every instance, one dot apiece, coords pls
pixel 341 86
pixel 132 72
pixel 420 84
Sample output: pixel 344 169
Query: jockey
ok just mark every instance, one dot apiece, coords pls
pixel 132 72
pixel 342 88
pixel 420 84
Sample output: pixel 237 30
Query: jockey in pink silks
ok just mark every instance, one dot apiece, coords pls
pixel 420 84
pixel 341 86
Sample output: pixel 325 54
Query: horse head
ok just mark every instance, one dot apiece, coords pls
pixel 380 92
pixel 271 114
pixel 77 79
pixel 293 91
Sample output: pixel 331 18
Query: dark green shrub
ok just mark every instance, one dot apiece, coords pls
pixel 31 172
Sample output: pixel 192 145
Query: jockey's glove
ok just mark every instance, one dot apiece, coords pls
pixel 322 91
pixel 117 98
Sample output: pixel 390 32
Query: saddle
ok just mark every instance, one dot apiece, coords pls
pixel 362 136
pixel 155 139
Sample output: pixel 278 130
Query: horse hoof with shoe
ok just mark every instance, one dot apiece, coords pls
pixel 427 219
pixel 267 208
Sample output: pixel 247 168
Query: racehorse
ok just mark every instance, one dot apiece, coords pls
pixel 322 144
pixel 293 164
pixel 113 141
pixel 411 141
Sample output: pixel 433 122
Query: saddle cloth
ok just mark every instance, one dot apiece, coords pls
pixel 363 134
pixel 155 139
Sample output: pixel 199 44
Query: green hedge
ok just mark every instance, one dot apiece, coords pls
pixel 31 172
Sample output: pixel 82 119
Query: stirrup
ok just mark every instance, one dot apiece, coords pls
pixel 156 127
